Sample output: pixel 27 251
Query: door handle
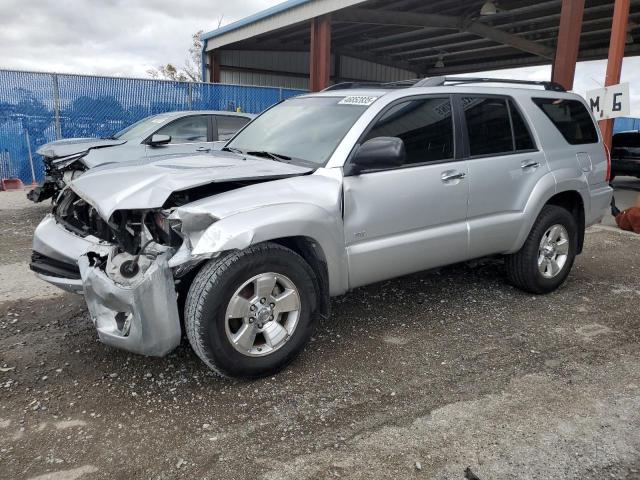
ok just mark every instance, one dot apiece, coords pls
pixel 450 175
pixel 203 149
pixel 529 164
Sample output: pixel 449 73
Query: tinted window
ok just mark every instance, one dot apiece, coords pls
pixel 228 125
pixel 488 125
pixel 425 126
pixel 627 139
pixel 187 130
pixel 520 131
pixel 571 118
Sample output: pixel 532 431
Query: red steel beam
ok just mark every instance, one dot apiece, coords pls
pixel 564 63
pixel 320 53
pixel 614 61
pixel 214 67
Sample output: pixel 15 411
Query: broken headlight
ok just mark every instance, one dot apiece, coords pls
pixel 167 230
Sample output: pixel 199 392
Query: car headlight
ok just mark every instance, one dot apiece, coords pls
pixel 168 230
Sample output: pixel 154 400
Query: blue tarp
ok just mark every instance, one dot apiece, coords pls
pixel 624 124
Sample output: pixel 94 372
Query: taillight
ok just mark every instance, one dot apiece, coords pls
pixel 607 153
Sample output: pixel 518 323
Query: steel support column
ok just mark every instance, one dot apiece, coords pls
pixel 320 53
pixel 214 67
pixel 564 63
pixel 616 54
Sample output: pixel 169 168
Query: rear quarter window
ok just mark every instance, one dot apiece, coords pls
pixel 571 118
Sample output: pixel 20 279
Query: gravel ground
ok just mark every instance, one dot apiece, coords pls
pixel 419 377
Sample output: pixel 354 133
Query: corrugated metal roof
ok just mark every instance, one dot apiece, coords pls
pixel 396 38
pixel 285 14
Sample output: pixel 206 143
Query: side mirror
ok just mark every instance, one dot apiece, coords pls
pixel 157 140
pixel 377 153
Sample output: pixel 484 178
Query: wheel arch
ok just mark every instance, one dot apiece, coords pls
pixel 548 193
pixel 309 230
pixel 312 253
pixel 572 201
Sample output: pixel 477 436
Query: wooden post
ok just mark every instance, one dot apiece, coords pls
pixel 564 63
pixel 614 61
pixel 320 53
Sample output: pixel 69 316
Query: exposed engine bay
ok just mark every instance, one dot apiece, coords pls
pixel 131 230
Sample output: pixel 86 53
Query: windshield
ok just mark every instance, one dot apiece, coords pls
pixel 137 129
pixel 302 129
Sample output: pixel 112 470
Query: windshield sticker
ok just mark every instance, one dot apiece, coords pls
pixel 363 100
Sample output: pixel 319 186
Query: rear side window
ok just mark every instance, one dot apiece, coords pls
pixel 488 125
pixel 571 118
pixel 425 125
pixel 495 126
pixel 229 125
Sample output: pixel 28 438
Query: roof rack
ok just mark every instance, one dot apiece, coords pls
pixel 350 85
pixel 440 81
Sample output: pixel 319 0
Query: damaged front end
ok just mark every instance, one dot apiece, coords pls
pixel 132 308
pixel 136 263
pixel 129 280
pixel 58 172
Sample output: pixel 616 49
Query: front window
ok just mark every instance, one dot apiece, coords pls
pixel 305 130
pixel 425 126
pixel 139 128
pixel 187 130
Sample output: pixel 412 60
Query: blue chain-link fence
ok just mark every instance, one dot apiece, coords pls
pixel 36 108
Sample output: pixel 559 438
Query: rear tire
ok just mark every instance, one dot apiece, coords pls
pixel 545 260
pixel 250 313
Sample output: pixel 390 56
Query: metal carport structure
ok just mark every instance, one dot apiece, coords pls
pixel 313 43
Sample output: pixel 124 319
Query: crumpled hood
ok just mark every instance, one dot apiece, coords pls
pixel 71 146
pixel 137 185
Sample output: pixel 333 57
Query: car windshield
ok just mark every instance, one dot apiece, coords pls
pixel 305 130
pixel 140 127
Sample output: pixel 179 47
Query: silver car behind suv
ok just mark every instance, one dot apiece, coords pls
pixel 321 194
pixel 167 133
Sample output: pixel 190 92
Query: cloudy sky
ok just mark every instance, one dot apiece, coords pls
pixel 108 37
pixel 127 37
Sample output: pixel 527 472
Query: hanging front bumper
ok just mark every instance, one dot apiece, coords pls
pixel 142 317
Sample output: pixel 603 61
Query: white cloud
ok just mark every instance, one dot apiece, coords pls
pixel 108 37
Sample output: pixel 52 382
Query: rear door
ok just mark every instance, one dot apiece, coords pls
pixel 504 166
pixel 402 220
pixel 191 134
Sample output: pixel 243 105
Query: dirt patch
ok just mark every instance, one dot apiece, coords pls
pixel 443 369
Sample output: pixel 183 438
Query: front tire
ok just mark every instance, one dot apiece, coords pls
pixel 545 260
pixel 251 312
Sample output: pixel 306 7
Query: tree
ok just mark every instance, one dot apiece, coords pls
pixel 190 71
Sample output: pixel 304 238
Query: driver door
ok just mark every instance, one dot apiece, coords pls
pixel 405 219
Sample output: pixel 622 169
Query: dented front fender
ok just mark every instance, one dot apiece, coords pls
pixel 244 229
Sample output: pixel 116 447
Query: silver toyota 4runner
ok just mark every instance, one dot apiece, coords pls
pixel 320 194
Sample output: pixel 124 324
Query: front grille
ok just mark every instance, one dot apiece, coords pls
pixel 80 217
pixel 52 267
